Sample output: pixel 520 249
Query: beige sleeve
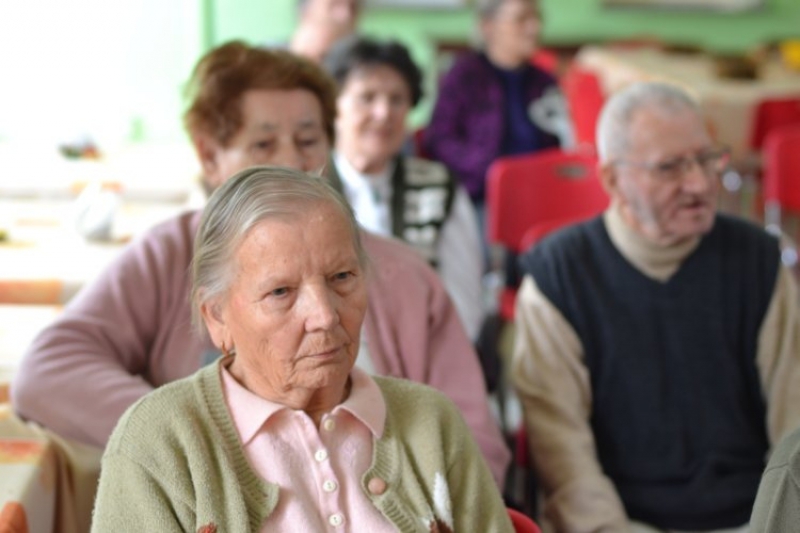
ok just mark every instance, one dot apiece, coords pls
pixel 554 388
pixel 778 357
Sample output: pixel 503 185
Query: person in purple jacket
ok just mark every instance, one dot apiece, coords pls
pixel 494 102
pixel 129 331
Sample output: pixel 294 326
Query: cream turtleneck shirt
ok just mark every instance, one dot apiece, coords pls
pixel 555 390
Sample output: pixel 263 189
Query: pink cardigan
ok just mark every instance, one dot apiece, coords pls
pixel 130 331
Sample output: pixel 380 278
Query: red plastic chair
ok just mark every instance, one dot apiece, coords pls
pixel 548 187
pixel 545 59
pixel 585 99
pixel 771 114
pixel 522 522
pixel 781 180
pixel 418 143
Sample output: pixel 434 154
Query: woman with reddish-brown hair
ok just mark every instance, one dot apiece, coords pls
pixel 234 81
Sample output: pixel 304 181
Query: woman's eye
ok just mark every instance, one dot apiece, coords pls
pixel 307 143
pixel 399 100
pixel 281 291
pixel 342 276
pixel 263 145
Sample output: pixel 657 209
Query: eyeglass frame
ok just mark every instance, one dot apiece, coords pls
pixel 676 168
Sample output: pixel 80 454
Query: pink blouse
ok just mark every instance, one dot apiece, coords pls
pixel 318 471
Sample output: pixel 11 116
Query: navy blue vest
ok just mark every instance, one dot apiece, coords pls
pixel 678 412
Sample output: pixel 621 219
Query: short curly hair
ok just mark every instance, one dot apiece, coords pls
pixel 357 52
pixel 225 73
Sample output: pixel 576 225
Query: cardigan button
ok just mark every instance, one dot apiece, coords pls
pixel 376 486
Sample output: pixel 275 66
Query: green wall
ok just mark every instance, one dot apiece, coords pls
pixel 570 21
pixel 567 22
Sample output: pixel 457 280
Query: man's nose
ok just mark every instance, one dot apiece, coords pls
pixel 696 178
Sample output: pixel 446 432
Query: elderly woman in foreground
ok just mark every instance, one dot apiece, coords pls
pixel 284 433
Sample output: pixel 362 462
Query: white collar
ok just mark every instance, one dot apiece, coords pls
pixel 356 183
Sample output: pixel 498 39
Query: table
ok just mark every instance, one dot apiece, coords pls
pixel 27 482
pixel 47 484
pixel 729 104
pixel 44 259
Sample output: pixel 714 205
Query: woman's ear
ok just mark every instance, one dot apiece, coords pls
pixel 206 149
pixel 214 319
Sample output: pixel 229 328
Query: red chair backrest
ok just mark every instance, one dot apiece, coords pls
pixel 418 143
pixel 540 230
pixel 585 99
pixel 522 522
pixel 773 113
pixel 544 186
pixel 545 59
pixel 782 167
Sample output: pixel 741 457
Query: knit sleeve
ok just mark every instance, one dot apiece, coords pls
pixel 467 483
pixel 778 357
pixel 102 354
pixel 141 503
pixel 554 388
pixel 776 508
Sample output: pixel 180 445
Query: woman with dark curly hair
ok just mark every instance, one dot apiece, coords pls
pixel 413 199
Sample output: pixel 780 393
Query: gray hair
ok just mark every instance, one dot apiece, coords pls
pixel 246 199
pixel 616 116
pixel 300 5
pixel 487 9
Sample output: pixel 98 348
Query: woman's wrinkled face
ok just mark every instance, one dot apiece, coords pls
pixel 373 104
pixel 339 16
pixel 514 28
pixel 294 310
pixel 279 127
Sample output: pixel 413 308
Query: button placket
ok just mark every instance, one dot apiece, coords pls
pixel 321 455
pixel 330 505
pixel 336 519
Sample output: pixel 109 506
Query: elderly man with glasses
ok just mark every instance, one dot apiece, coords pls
pixel 657 354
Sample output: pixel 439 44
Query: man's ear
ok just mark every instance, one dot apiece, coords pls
pixel 214 319
pixel 609 179
pixel 206 149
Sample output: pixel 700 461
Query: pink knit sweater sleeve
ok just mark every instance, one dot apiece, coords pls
pixel 125 333
pixel 413 332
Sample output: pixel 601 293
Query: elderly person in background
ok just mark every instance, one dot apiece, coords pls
pixel 284 433
pixel 130 330
pixel 321 24
pixel 658 346
pixel 493 102
pixel 392 194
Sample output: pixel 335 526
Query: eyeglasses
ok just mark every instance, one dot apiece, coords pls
pixel 712 161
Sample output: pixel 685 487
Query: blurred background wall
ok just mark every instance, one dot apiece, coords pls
pixel 114 71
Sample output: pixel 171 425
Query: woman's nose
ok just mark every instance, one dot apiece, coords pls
pixel 381 108
pixel 288 155
pixel 321 309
